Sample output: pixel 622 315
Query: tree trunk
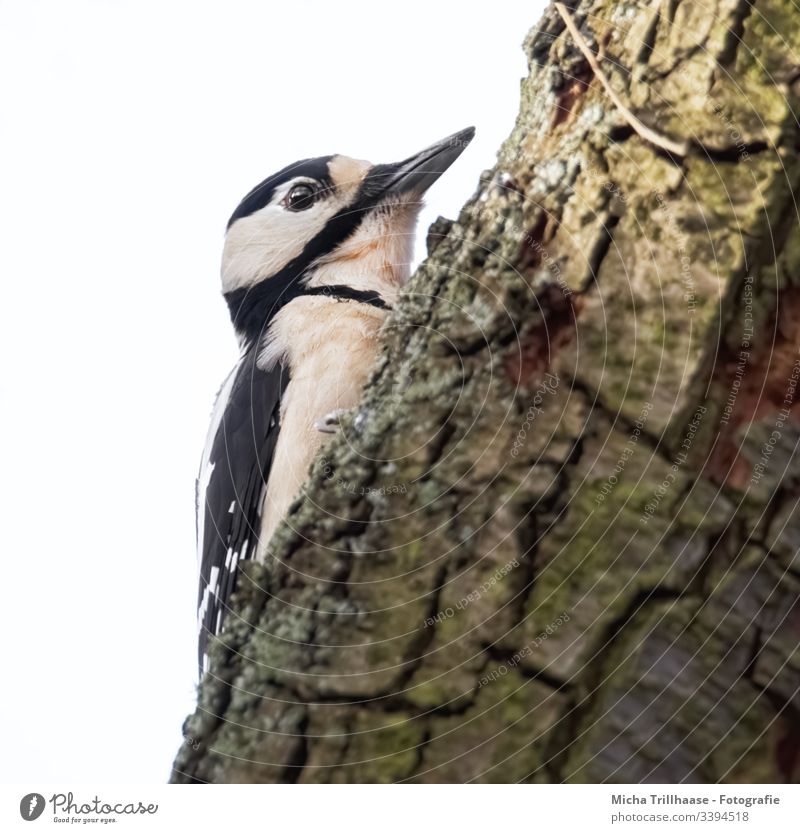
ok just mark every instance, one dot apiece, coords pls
pixel 558 540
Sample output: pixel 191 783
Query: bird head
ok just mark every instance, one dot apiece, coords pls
pixel 325 221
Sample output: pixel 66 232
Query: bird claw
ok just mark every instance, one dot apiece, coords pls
pixel 330 422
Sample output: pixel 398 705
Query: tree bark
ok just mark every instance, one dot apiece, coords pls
pixel 558 540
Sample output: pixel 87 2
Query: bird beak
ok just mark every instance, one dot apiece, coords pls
pixel 413 176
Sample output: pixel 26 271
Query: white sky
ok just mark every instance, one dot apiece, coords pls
pixel 130 131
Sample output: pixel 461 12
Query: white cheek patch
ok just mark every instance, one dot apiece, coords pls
pixel 261 244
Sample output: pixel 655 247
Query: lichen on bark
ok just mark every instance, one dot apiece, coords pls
pixel 558 539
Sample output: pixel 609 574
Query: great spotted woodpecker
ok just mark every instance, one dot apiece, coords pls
pixel 314 258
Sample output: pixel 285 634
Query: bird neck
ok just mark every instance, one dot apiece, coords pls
pixel 253 309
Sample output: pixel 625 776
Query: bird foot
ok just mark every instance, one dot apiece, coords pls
pixel 330 422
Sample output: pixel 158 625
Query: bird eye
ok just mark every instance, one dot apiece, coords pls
pixel 301 197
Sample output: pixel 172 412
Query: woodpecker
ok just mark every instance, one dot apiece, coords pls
pixel 314 259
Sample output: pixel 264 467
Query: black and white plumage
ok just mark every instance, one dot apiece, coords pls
pixel 239 455
pixel 314 257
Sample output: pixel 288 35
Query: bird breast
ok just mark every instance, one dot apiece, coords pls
pixel 330 348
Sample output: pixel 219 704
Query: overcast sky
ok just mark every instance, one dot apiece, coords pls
pixel 130 132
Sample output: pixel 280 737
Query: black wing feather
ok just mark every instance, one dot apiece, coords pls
pixel 229 511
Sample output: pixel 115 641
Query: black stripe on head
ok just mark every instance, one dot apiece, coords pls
pixel 260 196
pixel 252 308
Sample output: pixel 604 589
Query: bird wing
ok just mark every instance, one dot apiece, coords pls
pixel 233 475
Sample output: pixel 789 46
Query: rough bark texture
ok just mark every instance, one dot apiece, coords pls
pixel 559 541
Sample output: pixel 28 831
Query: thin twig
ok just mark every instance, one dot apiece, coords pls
pixel 647 133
